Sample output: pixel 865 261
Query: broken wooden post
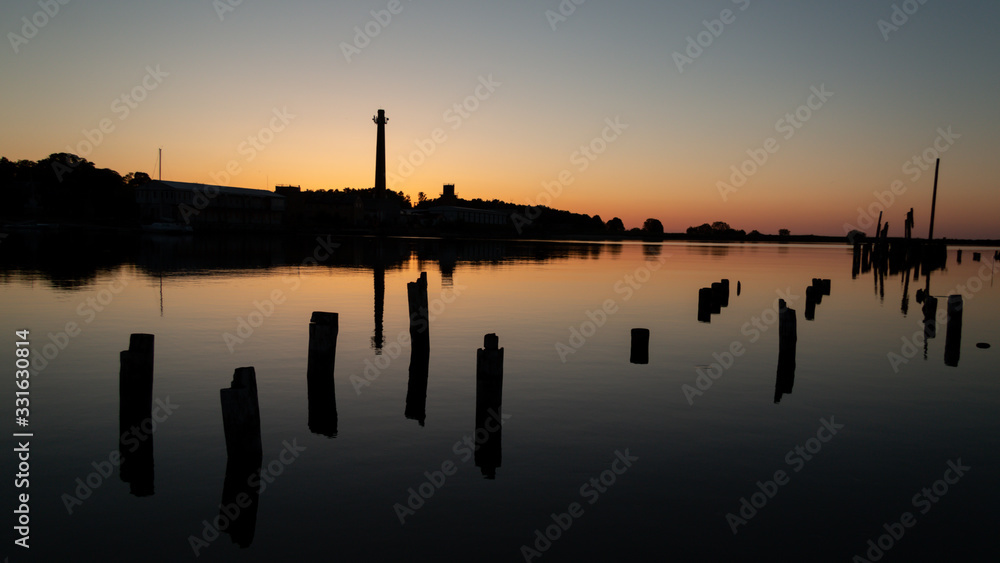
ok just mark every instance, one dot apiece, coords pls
pixel 241 416
pixel 715 301
pixel 856 261
pixel 725 293
pixel 640 346
pixel 787 340
pixel 322 397
pixel 489 393
pixel 416 297
pixel 953 336
pixel 811 299
pixel 976 256
pixel 135 418
pixel 705 304
pixel 739 288
pixel 817 285
pixel 959 257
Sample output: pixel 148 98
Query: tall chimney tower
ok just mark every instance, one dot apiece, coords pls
pixel 380 120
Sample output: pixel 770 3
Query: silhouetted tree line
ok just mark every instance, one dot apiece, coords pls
pixel 718 230
pixel 66 188
pixel 538 219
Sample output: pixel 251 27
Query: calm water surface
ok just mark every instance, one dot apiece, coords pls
pixel 875 415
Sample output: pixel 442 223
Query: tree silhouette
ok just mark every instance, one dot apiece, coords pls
pixel 652 227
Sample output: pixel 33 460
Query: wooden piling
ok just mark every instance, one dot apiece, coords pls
pixel 976 256
pixel 716 301
pixel 135 408
pixel 489 398
pixel 787 341
pixel 725 293
pixel 811 292
pixel 640 346
pixel 416 296
pixel 241 416
pixel 320 367
pixel 705 304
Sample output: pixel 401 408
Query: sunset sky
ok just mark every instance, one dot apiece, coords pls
pixel 500 98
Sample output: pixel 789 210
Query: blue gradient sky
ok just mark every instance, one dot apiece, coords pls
pixel 557 87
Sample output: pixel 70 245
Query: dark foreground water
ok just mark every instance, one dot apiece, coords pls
pixel 705 453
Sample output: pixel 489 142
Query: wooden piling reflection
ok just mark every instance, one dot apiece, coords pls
pixel 953 334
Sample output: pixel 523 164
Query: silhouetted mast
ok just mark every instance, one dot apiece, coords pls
pixel 930 234
pixel 159 159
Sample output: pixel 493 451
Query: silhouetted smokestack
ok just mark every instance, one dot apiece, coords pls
pixel 380 120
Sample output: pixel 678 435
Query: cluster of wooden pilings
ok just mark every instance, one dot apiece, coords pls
pixel 894 256
pixel 712 299
pixel 788 335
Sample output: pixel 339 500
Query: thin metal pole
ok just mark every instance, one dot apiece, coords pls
pixel 930 234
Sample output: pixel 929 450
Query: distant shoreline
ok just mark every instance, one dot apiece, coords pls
pixel 22 228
